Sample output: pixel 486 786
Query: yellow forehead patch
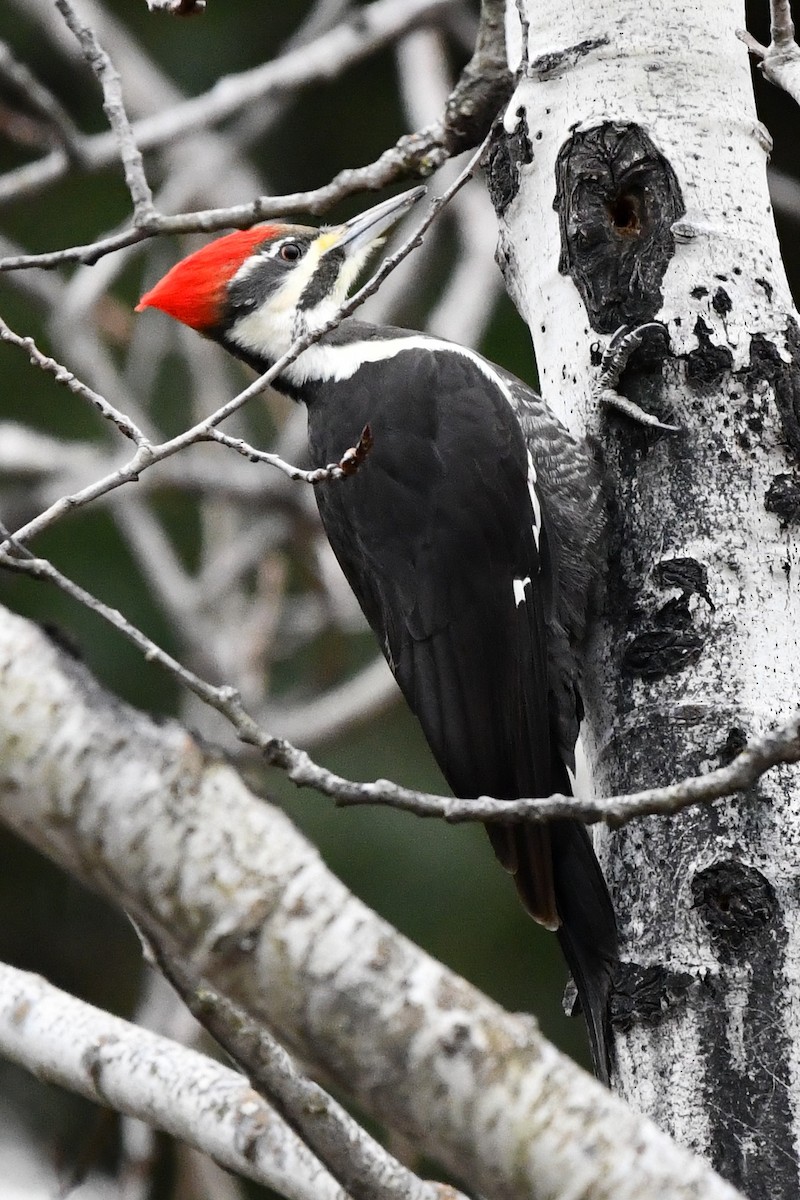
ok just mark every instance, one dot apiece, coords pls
pixel 326 240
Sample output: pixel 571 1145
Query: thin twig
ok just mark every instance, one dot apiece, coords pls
pixel 347 465
pixel 780 60
pixel 781 745
pixel 64 376
pixel 416 155
pixel 147 454
pixel 43 103
pixel 372 27
pixel 114 108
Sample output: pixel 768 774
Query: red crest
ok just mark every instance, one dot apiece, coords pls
pixel 193 291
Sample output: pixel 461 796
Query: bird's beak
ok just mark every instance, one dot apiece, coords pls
pixel 362 231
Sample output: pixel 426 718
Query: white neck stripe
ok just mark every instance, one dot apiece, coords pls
pixel 334 363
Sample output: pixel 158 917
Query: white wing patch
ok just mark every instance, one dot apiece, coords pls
pixel 536 527
pixel 519 589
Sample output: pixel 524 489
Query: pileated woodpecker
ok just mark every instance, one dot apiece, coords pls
pixel 471 535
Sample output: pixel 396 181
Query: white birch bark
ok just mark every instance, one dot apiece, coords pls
pixel 693 653
pixel 139 812
pixel 67 1042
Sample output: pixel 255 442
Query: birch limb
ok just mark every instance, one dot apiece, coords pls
pixel 138 810
pixel 65 1041
pixel 630 180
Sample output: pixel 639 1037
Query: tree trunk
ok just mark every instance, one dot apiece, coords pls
pixel 631 185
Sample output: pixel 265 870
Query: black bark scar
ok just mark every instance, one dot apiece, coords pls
pixel 617 198
pixel 646 994
pixel 783 499
pixel 736 903
pixel 671 643
pixel 546 66
pixel 706 365
pixel 784 377
pixel 687 574
pixel 504 160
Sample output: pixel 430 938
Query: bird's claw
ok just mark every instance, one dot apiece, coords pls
pixel 616 357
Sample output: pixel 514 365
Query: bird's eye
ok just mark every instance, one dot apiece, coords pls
pixel 290 252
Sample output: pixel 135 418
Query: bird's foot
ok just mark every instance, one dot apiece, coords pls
pixel 616 357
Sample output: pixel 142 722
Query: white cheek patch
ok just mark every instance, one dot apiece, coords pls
pixel 519 589
pixel 265 332
pixel 288 295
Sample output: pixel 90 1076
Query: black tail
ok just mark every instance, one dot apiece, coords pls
pixel 588 932
pixel 561 885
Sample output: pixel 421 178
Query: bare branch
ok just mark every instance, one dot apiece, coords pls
pixel 43 103
pixel 148 454
pixel 53 466
pixel 320 60
pixel 416 155
pixel 227 878
pixel 348 464
pixel 780 60
pixel 780 746
pixel 360 1164
pixel 62 375
pixel 485 84
pixel 116 1064
pixel 114 108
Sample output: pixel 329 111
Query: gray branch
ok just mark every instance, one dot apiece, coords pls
pixel 320 60
pixel 361 1165
pixel 114 108
pixel 175 834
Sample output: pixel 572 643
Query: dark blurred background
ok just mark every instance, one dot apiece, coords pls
pixel 441 886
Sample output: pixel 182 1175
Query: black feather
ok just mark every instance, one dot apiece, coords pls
pixel 432 531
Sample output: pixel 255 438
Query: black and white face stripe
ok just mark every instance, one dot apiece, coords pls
pixel 267 271
pixel 273 302
pixel 323 281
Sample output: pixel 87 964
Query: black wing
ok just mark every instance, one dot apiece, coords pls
pixel 439 539
pixel 450 559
